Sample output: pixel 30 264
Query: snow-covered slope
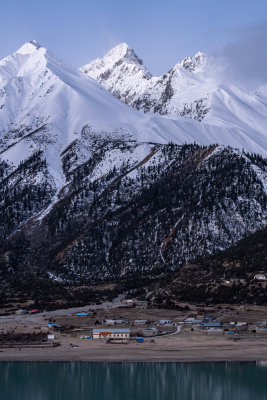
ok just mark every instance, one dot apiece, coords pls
pixel 195 87
pixel 122 72
pixel 47 105
pixel 39 90
pixel 90 189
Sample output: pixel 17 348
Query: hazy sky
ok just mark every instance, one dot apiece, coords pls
pixel 161 32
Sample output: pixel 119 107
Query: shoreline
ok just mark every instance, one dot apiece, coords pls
pixel 186 345
pixel 175 349
pixel 134 362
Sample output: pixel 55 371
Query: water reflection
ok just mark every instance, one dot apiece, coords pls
pixel 132 381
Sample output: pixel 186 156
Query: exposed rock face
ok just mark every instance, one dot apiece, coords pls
pixel 132 209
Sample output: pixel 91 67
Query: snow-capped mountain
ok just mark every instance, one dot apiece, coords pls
pixel 123 73
pixel 46 104
pixel 92 189
pixel 196 87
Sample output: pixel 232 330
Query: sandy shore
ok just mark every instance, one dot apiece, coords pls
pixel 173 348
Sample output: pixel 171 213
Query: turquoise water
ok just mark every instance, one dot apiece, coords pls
pixel 132 381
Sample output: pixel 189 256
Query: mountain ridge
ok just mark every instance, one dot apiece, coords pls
pixel 196 87
pixel 92 190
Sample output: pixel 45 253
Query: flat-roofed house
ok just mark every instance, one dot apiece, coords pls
pixel 108 322
pixel 150 332
pixel 111 333
pixel 165 322
pixel 140 321
pixel 260 277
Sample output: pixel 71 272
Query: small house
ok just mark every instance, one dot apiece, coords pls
pixel 141 303
pixel 140 322
pixel 215 331
pixel 212 325
pixel 239 324
pixel 165 322
pixel 150 332
pixel 129 302
pixel 54 326
pixel 140 340
pixel 108 322
pixel 21 312
pixel 209 317
pixel 192 321
pixel 111 333
pixel 121 322
pixel 51 337
pixel 260 277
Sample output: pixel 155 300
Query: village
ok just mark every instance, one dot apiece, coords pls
pixel 126 329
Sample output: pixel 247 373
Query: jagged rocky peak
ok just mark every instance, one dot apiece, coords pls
pixel 119 57
pixel 122 73
pixel 194 64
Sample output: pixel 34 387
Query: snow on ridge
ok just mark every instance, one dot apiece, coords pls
pixel 41 90
pixel 29 47
pixel 195 87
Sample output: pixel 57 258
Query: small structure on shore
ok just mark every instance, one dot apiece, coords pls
pixel 215 331
pixel 192 321
pixel 165 322
pixel 51 336
pixel 129 302
pixel 108 322
pixel 141 303
pixel 208 318
pixel 21 312
pixel 260 277
pixel 212 325
pixel 54 326
pixel 150 332
pixel 121 322
pixel 82 314
pixel 111 333
pixel 140 322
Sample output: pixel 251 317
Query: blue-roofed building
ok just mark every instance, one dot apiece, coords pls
pixel 54 326
pixel 212 325
pixel 111 333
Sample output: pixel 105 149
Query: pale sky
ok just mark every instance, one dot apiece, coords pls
pixel 161 32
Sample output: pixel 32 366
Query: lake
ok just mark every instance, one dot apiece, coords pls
pixel 133 381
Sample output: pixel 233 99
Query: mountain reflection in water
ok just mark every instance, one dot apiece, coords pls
pixel 132 381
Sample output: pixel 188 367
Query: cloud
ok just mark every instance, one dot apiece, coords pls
pixel 246 58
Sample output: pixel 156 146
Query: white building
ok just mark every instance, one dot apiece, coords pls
pixel 260 277
pixel 150 332
pixel 165 322
pixel 109 322
pixel 140 322
pixel 129 302
pixel 111 333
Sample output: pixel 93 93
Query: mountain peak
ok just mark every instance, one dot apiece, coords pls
pixel 121 58
pixel 123 52
pixel 194 64
pixel 120 50
pixel 29 47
